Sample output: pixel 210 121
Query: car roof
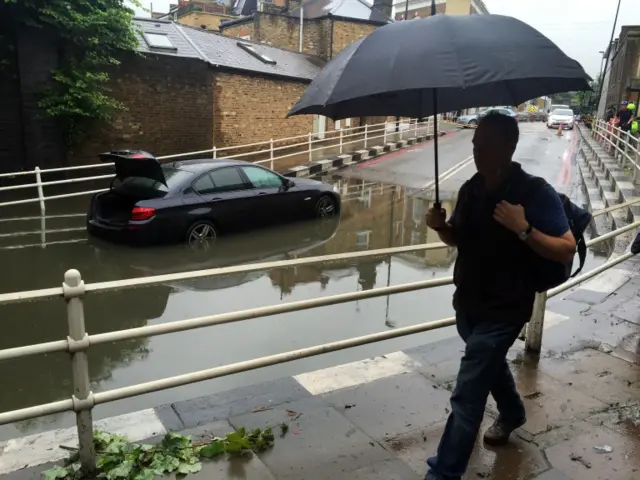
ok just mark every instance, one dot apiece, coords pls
pixel 201 165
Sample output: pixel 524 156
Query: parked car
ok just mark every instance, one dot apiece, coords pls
pixel 561 118
pixel 475 118
pixel 198 200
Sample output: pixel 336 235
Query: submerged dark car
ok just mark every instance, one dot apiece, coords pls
pixel 197 200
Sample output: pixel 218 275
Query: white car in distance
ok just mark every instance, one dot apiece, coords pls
pixel 561 118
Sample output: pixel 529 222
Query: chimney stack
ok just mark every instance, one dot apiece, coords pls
pixel 384 6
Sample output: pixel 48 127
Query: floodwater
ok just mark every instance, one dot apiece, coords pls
pixel 374 215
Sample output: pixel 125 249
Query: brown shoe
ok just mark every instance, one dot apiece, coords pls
pixel 498 434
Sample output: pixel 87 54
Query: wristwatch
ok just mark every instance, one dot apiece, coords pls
pixel 525 233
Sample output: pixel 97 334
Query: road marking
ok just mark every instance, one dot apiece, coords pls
pixel 44 447
pixel 449 173
pixel 402 151
pixel 355 373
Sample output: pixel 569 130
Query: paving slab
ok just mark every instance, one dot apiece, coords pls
pixel 203 410
pixel 320 444
pixel 549 402
pixel 578 459
pixel 391 406
pixel 517 461
pixel 552 474
pixel 624 419
pixel 387 470
pixel 595 373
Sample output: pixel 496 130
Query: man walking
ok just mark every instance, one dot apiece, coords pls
pixel 500 229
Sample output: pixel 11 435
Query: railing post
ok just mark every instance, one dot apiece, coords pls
pixel 73 289
pixel 40 192
pixel 533 343
pixel 271 152
pixel 415 128
pixel 384 135
pixel 366 130
pixel 310 143
pixel 341 136
pixel 215 152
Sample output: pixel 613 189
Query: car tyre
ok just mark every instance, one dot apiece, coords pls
pixel 201 235
pixel 473 122
pixel 326 207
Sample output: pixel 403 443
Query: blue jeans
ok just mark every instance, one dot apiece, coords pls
pixel 483 370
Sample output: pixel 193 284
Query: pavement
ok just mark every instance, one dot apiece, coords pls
pixel 380 418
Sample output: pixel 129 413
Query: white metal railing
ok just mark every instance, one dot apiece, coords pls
pixel 78 341
pixel 622 145
pixel 305 145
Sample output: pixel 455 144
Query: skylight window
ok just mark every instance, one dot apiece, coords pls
pixel 247 47
pixel 159 41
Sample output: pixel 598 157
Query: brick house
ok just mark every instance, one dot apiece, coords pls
pixel 624 74
pixel 422 8
pixel 190 89
pixel 194 89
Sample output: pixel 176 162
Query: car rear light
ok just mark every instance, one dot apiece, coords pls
pixel 142 213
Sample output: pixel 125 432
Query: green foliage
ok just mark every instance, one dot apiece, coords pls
pixel 117 459
pixel 91 35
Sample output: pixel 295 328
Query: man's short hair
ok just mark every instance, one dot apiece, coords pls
pixel 505 124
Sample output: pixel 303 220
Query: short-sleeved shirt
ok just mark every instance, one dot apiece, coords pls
pixel 493 274
pixel 624 115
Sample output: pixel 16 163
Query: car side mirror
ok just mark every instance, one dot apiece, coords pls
pixel 289 183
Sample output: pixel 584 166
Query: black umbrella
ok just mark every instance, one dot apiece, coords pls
pixel 439 64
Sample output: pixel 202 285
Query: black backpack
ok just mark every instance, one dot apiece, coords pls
pixel 547 273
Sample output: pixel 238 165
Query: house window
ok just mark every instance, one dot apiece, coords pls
pixel 339 126
pixel 159 41
pixel 247 47
pixel 362 239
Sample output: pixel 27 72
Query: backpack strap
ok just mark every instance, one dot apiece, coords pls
pixel 582 254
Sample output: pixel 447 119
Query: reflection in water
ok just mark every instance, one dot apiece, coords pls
pixel 374 216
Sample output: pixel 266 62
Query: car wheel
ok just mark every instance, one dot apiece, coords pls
pixel 473 122
pixel 326 207
pixel 201 236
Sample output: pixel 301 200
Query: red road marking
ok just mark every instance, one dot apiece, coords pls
pixel 564 178
pixel 391 155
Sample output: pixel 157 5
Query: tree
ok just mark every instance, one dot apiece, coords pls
pixel 91 35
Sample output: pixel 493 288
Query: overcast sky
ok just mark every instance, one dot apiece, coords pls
pixel 581 28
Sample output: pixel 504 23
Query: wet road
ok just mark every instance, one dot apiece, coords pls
pixel 384 205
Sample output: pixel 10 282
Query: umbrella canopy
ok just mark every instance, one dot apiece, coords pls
pixel 472 60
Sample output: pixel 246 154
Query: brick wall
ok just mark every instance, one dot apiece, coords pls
pixel 245 29
pixel 210 20
pixel 284 32
pixel 170 109
pixel 345 33
pixel 251 109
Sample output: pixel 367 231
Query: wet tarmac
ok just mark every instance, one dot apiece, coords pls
pixel 384 205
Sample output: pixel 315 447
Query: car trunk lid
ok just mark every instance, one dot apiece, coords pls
pixel 135 163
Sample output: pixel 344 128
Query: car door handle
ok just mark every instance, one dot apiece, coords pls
pixel 262 193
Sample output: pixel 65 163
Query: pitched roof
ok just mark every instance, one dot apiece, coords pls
pixel 353 9
pixel 227 52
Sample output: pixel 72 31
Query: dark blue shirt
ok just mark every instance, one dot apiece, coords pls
pixel 543 210
pixel 493 272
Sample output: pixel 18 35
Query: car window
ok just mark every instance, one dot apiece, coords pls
pixel 563 113
pixel 227 179
pixel 204 185
pixel 261 178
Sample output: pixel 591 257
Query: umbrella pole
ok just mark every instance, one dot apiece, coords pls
pixel 437 205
